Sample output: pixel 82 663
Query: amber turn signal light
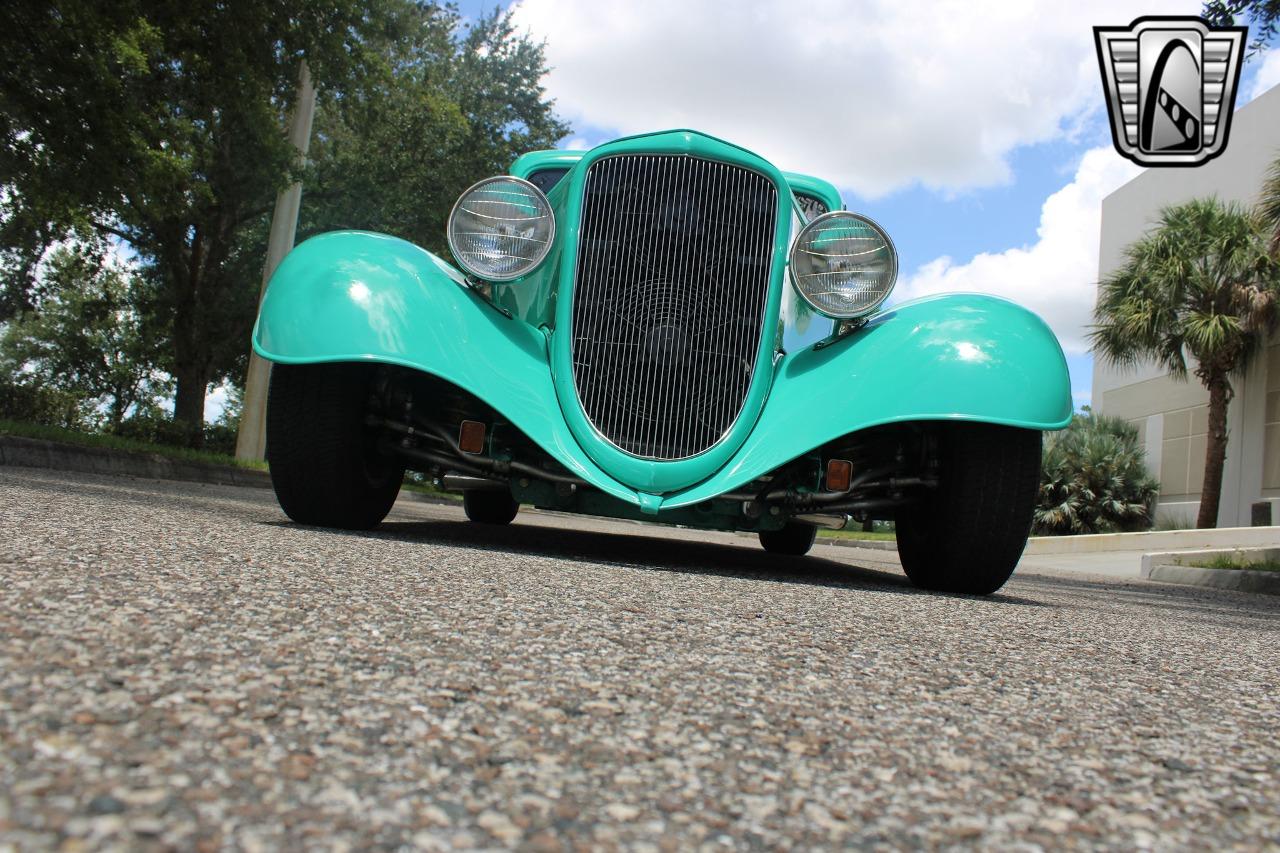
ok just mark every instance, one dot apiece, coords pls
pixel 471 437
pixel 839 473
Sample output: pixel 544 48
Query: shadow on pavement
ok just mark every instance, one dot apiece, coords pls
pixel 651 553
pixel 1210 606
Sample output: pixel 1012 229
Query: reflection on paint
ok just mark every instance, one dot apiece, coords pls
pixel 385 310
pixel 359 292
pixel 970 352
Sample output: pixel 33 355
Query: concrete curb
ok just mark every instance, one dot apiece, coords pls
pixel 873 544
pixel 421 498
pixel 40 453
pixel 1160 540
pixel 870 544
pixel 1171 568
pixel 1241 580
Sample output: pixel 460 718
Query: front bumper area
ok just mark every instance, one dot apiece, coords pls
pixel 357 296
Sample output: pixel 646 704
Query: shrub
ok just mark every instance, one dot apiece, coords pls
pixel 1093 479
pixel 220 438
pixel 40 404
pixel 156 427
pixel 153 428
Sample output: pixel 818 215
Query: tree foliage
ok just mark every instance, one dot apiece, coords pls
pixel 161 125
pixel 1201 283
pixel 1094 479
pixel 1269 206
pixel 1263 17
pixel 86 340
pixel 395 158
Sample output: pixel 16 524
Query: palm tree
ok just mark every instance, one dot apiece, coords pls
pixel 1269 206
pixel 1093 479
pixel 1201 283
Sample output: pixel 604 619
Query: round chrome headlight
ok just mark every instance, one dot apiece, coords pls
pixel 843 264
pixel 501 228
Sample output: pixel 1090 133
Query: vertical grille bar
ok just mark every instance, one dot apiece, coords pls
pixel 672 281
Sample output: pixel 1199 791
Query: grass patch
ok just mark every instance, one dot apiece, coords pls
pixel 115 442
pixel 875 535
pixel 424 487
pixel 186 454
pixel 1235 561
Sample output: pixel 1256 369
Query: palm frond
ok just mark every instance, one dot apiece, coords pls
pixel 1269 206
pixel 1094 479
pixel 1201 281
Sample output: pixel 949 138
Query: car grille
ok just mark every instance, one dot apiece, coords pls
pixel 672 282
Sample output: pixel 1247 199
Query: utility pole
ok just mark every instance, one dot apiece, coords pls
pixel 251 441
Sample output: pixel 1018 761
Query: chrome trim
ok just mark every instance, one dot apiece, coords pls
pixel 463 483
pixel 826 520
pixel 795 244
pixel 535 262
pixel 674 403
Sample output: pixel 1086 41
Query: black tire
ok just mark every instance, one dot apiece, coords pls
pixel 968 534
pixel 490 507
pixel 793 540
pixel 325 467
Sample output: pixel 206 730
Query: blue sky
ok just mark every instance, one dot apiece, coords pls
pixel 975 133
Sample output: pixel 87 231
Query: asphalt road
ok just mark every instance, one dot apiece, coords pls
pixel 182 667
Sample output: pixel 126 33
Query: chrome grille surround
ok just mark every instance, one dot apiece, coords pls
pixel 675 256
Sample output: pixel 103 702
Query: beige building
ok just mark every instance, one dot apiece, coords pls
pixel 1172 416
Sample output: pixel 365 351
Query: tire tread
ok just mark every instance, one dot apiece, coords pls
pixel 970 535
pixel 485 507
pixel 315 447
pixel 794 540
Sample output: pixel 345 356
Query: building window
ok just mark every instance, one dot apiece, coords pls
pixel 1186 438
pixel 1271 424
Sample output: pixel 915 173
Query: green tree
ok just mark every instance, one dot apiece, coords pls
pixel 1269 206
pixel 1263 17
pixel 1200 284
pixel 161 124
pixel 395 157
pixel 1094 479
pixel 86 339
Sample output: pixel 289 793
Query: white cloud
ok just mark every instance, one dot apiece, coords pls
pixel 1268 74
pixel 120 254
pixel 1055 276
pixel 215 402
pixel 874 96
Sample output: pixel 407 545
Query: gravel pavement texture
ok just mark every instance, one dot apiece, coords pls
pixel 181 667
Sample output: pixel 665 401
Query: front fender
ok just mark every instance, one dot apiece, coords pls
pixel 359 296
pixel 949 357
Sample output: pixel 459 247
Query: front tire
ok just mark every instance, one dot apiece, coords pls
pixel 968 534
pixel 325 466
pixel 793 540
pixel 490 507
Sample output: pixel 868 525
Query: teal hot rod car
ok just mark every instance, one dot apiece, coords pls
pixel 666 328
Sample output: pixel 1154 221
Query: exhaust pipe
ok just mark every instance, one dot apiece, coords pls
pixel 460 483
pixel 830 522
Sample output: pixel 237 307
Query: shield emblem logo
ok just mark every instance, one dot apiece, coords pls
pixel 1171 86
